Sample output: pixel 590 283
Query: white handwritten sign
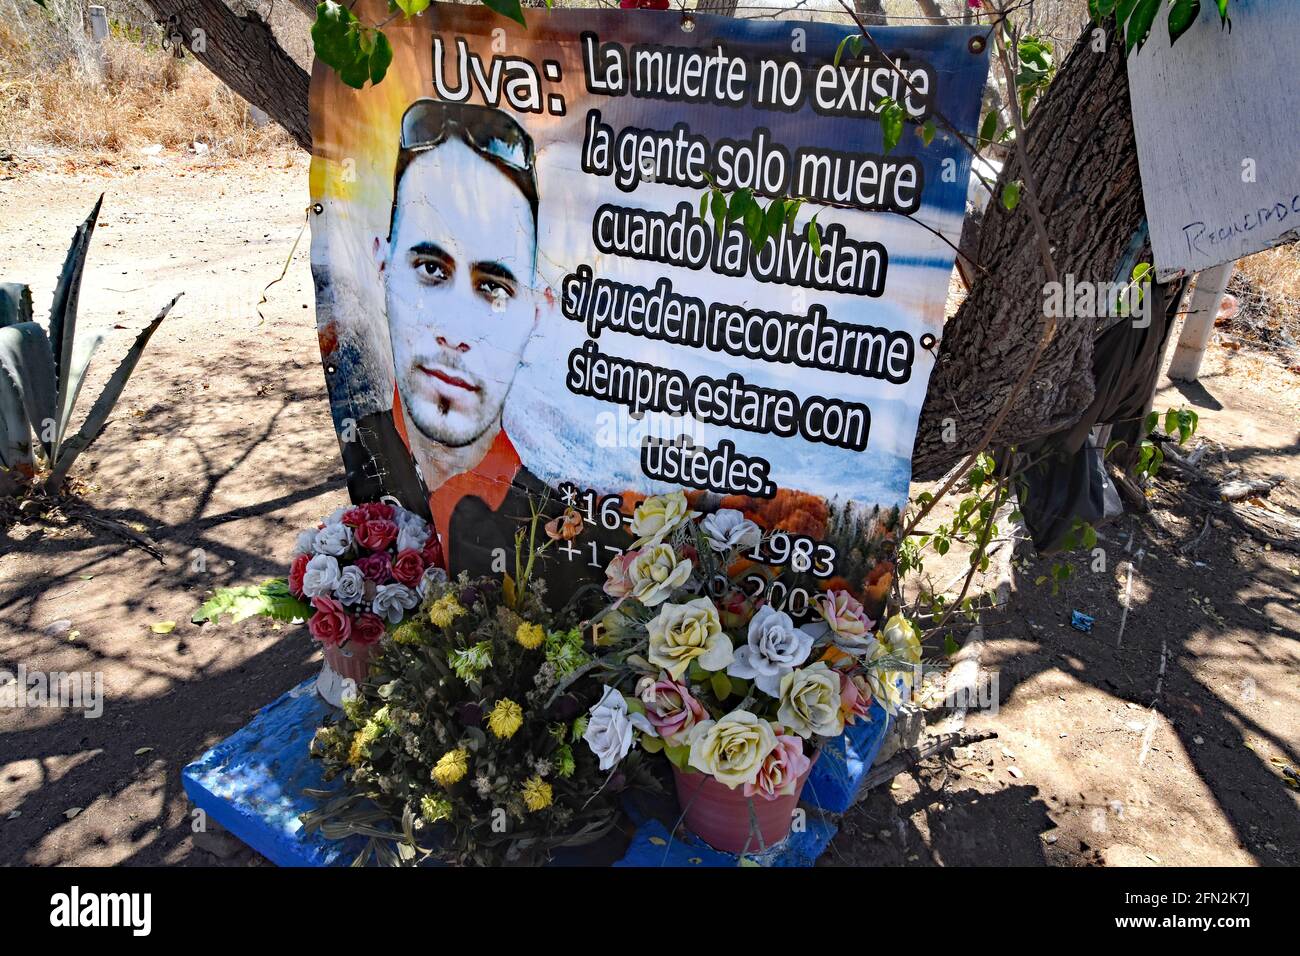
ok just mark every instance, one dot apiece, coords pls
pixel 1216 119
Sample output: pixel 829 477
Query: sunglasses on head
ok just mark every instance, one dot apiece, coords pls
pixel 488 131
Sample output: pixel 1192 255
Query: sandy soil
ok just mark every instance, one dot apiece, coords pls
pixel 222 447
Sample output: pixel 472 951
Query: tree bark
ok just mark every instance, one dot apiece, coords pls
pixel 244 54
pixel 1084 160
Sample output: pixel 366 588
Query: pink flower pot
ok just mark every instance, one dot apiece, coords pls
pixel 352 661
pixel 721 816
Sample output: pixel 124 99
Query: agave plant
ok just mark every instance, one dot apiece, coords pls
pixel 41 374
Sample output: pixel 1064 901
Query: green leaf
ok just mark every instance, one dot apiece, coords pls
pixel 679 755
pixel 927 132
pixel 775 218
pixel 891 122
pixel 1223 11
pixel 704 206
pixel 1100 9
pixel 739 204
pixel 381 55
pixel 1139 25
pixel 719 202
pixel 1181 17
pixel 271 599
pixel 815 237
pixel 1011 196
pixel 335 37
pixel 510 9
pixel 988 128
pixel 411 7
pixel 754 222
pixel 721 685
pixel 950 645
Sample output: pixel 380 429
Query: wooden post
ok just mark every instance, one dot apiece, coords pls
pixel 1201 311
pixel 98 21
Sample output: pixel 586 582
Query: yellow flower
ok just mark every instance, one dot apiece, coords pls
pixel 681 633
pixel 658 515
pixel 408 633
pixel 451 767
pixel 445 610
pixel 367 735
pixel 537 794
pixel 506 718
pixel 530 636
pixel 732 750
pixel 434 809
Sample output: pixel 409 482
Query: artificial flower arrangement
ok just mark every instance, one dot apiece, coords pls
pixel 357 573
pixel 736 694
pixel 463 744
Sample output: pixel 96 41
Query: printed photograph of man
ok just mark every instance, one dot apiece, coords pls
pixel 459 270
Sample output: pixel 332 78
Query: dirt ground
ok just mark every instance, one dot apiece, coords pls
pixel 1163 748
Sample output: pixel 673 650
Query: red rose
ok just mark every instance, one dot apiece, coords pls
pixel 354 517
pixel 376 534
pixel 330 624
pixel 378 511
pixel 296 571
pixel 367 629
pixel 375 567
pixel 408 566
pixel 432 552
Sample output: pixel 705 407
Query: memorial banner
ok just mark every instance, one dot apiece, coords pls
pixel 524 296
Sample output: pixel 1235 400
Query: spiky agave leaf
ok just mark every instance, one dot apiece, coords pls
pixel 15 303
pixel 97 419
pixel 63 310
pixel 26 360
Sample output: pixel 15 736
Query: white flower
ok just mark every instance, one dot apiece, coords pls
pixel 306 543
pixel 336 516
pixel 321 576
pixel 775 648
pixel 655 572
pixel 728 528
pixel 333 539
pixel 810 702
pixel 609 728
pixel 392 601
pixel 351 586
pixel 431 576
pixel 412 534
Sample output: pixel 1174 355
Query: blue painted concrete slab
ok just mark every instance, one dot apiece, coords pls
pixel 652 847
pixel 837 775
pixel 252 783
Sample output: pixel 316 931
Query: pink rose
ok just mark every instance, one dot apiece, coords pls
pixel 330 624
pixel 669 707
pixel 781 770
pixel 378 511
pixel 845 614
pixel 376 567
pixel 855 697
pixel 376 534
pixel 367 629
pixel 296 571
pixel 354 518
pixel 617 582
pixel 408 567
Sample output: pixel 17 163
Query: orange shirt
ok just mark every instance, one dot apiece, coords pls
pixel 490 480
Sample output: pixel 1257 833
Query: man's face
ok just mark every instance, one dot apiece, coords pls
pixel 458 273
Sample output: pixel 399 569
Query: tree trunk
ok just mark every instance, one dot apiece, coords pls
pixel 1084 160
pixel 1080 140
pixel 244 54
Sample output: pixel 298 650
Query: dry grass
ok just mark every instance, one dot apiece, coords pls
pixel 146 96
pixel 1269 288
